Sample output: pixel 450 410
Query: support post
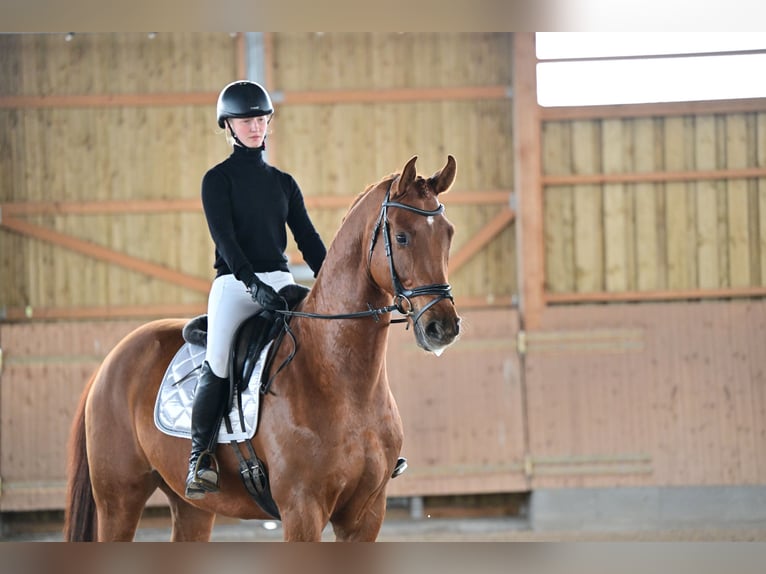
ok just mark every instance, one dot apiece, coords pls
pixel 530 244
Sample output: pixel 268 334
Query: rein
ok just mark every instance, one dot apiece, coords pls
pixel 402 297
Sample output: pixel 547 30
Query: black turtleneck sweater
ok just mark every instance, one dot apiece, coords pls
pixel 247 203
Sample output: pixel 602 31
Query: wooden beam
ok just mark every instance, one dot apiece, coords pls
pixel 109 100
pixel 657 176
pixel 388 95
pixel 241 55
pixel 530 243
pixel 708 107
pixel 682 294
pixel 98 207
pixel 20 208
pixel 269 74
pixel 481 239
pixel 281 98
pixel 109 312
pixel 105 254
pixel 477 197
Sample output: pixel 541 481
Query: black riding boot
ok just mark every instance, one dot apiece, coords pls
pixel 210 400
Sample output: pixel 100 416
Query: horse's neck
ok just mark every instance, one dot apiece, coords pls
pixel 340 291
pixel 343 287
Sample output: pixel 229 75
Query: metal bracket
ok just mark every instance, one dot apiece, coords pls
pixel 521 342
pixel 529 466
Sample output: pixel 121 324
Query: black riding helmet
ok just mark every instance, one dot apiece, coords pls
pixel 243 99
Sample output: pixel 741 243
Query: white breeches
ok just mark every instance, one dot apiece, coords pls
pixel 228 305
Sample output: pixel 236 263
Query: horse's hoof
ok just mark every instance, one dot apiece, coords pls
pixel 401 466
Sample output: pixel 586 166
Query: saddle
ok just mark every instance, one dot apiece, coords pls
pixel 250 340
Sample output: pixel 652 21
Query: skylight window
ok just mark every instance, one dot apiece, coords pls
pixel 581 69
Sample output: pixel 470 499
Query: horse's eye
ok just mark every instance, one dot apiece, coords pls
pixel 401 239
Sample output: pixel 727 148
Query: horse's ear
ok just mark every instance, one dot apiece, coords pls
pixel 407 177
pixel 443 179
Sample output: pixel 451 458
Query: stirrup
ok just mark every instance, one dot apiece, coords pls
pixel 203 479
pixel 401 466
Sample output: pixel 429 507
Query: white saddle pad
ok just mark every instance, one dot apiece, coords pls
pixel 172 410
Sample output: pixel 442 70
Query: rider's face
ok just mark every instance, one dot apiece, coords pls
pixel 251 131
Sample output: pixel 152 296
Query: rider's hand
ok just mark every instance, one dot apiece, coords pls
pixel 265 295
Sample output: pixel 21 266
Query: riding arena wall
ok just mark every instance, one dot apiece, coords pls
pixel 609 262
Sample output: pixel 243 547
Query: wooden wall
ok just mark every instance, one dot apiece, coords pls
pixel 97 132
pixel 45 368
pixel 104 140
pixel 103 143
pixel 462 412
pixel 642 203
pixel 647 236
pixel 339 148
pixel 656 394
pixel 103 153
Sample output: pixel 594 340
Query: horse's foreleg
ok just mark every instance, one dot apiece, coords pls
pixel 363 524
pixel 189 523
pixel 303 522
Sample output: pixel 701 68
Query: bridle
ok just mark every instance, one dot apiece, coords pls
pixel 402 297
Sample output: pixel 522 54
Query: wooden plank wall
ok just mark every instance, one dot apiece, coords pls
pixel 120 141
pixel 649 236
pixel 102 150
pixel 656 394
pixel 339 148
pixel 463 412
pixel 108 153
pixel 45 368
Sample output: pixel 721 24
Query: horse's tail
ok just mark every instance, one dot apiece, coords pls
pixel 80 509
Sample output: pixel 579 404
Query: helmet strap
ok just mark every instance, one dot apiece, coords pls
pixel 233 135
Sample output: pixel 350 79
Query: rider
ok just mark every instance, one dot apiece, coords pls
pixel 248 204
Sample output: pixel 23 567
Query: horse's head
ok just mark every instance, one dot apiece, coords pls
pixel 411 259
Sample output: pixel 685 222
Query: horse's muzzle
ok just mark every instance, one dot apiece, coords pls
pixel 437 331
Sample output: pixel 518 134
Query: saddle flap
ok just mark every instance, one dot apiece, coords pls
pixel 250 339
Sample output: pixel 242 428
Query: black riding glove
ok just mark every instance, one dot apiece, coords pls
pixel 265 295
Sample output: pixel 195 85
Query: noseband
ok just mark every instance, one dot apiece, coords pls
pixel 402 296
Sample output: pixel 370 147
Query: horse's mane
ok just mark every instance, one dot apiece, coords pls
pixel 420 183
pixel 367 190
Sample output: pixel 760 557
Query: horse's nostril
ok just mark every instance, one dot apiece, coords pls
pixel 434 330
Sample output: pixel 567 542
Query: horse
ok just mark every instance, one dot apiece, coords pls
pixel 329 433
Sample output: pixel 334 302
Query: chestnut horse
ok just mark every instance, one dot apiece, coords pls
pixel 329 433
